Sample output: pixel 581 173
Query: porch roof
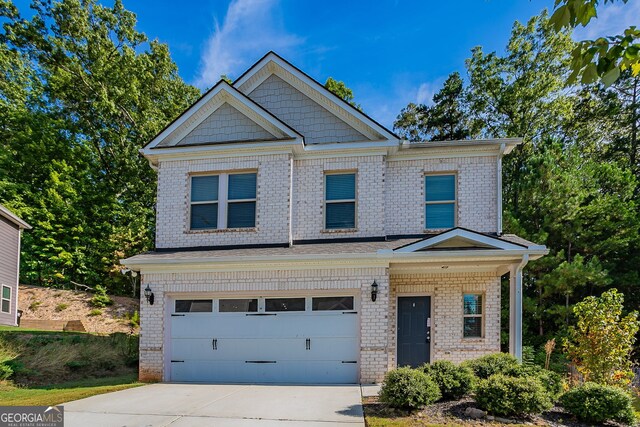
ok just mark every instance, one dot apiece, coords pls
pixel 379 247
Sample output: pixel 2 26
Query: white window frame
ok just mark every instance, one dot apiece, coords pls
pixel 481 315
pixel 441 202
pixel 354 200
pixel 3 299
pixel 223 199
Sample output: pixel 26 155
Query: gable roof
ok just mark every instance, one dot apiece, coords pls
pixel 462 238
pixel 10 216
pixel 272 63
pixel 207 104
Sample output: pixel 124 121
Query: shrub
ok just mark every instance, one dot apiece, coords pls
pixel 5 371
pixel 408 388
pixel 504 395
pixel 498 363
pixel 61 307
pixel 601 342
pixel 95 312
pixel 101 299
pixel 551 381
pixel 596 403
pixel 453 381
pixel 34 305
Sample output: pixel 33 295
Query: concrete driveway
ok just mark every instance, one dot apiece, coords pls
pixel 182 405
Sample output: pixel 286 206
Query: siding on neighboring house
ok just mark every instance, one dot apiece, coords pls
pixel 9 255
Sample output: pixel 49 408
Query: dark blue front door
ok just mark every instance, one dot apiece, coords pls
pixel 414 331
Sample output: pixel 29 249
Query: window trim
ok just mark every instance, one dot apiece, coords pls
pixel 481 315
pixel 223 201
pixel 354 200
pixel 440 202
pixel 2 298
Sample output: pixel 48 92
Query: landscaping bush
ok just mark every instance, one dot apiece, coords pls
pixel 453 381
pixel 504 395
pixel 408 388
pixel 101 299
pixel 95 312
pixel 551 381
pixel 498 363
pixel 596 403
pixel 62 307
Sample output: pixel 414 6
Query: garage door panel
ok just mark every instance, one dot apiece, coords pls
pixel 210 371
pixel 222 347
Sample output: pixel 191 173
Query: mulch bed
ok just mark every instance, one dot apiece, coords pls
pixel 453 412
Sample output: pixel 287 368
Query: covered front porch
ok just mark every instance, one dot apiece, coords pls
pixel 445 296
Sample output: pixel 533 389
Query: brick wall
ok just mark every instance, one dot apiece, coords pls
pixel 308 197
pixel 446 291
pixel 390 197
pixel 272 205
pixel 476 188
pixel 374 316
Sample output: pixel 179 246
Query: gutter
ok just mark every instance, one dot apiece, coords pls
pixel 382 256
pixel 503 147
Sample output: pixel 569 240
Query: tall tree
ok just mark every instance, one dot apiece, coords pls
pixel 604 58
pixel 105 91
pixel 340 89
pixel 446 120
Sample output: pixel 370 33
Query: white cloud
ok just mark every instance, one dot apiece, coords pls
pixel 426 91
pixel 613 18
pixel 250 29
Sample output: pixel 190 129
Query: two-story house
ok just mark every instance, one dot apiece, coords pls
pixel 298 240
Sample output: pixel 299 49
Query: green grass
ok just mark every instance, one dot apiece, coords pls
pixel 34 331
pixel 65 392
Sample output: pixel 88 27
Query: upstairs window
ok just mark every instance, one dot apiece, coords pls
pixel 440 201
pixel 204 202
pixel 340 200
pixel 223 201
pixel 241 211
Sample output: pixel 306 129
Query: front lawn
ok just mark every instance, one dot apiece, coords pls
pixel 11 395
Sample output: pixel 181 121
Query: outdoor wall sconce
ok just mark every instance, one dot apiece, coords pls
pixel 374 291
pixel 149 295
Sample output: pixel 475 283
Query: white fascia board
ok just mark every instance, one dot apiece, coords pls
pixel 220 150
pixel 272 57
pixel 452 149
pixel 344 149
pixel 464 234
pixel 10 216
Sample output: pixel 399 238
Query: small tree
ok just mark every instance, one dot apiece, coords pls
pixel 601 342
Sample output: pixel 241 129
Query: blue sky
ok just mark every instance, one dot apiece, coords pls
pixel 389 52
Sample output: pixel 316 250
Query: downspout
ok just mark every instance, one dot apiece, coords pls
pixel 503 147
pixel 515 332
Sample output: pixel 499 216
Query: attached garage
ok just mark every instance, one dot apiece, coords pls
pixel 275 339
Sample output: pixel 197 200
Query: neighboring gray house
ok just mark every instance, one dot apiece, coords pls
pixel 10 229
pixel 298 240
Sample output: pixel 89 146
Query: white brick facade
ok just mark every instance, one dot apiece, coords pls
pixel 303 135
pixel 377 319
pixel 390 197
pixel 272 204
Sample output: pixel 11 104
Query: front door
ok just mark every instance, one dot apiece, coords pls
pixel 414 331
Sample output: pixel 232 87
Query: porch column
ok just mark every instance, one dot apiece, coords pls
pixel 515 307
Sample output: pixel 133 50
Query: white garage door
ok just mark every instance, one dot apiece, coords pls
pixel 265 340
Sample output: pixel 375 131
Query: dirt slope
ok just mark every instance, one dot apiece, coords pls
pixel 48 304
